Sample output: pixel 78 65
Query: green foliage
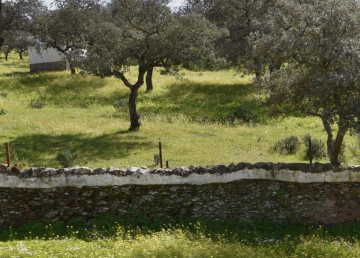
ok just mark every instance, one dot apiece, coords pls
pixel 37 103
pixel 156 159
pixel 64 28
pixel 318 148
pixel 2 112
pixel 121 105
pixel 287 146
pixel 191 118
pixel 109 235
pixel 245 114
pixel 3 94
pixel 296 72
pixel 66 158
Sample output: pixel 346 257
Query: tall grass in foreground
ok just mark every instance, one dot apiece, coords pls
pixel 178 243
pixel 115 236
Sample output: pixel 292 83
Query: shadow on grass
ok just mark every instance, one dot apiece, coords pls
pixel 14 63
pixel 61 89
pixel 247 232
pixel 206 102
pixel 41 149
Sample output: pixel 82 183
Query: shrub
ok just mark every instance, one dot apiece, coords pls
pixel 66 158
pixel 157 159
pixel 2 112
pixel 318 148
pixel 37 103
pixel 121 105
pixel 245 114
pixel 3 94
pixel 287 146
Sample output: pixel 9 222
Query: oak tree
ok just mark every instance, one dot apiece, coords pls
pixel 318 43
pixel 145 33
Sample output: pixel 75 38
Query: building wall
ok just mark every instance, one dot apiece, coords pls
pixel 48 60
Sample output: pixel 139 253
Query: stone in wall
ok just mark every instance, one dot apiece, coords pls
pixel 320 203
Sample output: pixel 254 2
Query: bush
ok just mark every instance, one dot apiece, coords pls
pixel 245 114
pixel 37 103
pixel 66 158
pixel 157 159
pixel 318 148
pixel 287 146
pixel 3 94
pixel 121 105
pixel 2 112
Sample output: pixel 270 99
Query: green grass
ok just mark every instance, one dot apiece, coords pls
pixel 192 116
pixel 111 236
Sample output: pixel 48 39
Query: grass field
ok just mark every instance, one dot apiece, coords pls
pixel 191 113
pixel 203 238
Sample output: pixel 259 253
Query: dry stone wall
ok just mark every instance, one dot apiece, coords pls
pixel 320 194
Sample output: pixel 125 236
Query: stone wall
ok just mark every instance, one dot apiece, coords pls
pixel 317 193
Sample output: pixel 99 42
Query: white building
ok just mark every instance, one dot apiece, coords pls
pixel 47 60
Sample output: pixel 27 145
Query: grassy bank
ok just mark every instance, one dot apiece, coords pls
pixel 192 113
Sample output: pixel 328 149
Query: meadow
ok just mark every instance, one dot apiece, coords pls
pixel 110 236
pixel 192 112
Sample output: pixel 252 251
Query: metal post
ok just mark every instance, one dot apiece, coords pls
pixel 160 154
pixel 310 151
pixel 167 164
pixel 7 146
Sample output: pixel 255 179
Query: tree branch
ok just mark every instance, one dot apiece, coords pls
pixel 121 76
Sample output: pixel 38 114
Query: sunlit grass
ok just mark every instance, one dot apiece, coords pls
pixel 191 114
pixel 180 242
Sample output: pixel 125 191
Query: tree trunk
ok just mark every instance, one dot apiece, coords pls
pixel 20 55
pixel 256 67
pixel 71 65
pixel 334 146
pixel 72 68
pixel 149 82
pixel 6 55
pixel 134 115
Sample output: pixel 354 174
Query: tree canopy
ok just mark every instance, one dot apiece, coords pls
pixel 148 34
pixel 238 17
pixel 306 54
pixel 17 16
pixel 318 43
pixel 65 27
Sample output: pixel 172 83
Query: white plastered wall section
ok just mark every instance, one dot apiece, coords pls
pixel 49 55
pixel 192 179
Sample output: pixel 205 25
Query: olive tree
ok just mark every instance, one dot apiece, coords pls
pixel 238 17
pixel 64 28
pixel 319 45
pixel 17 17
pixel 17 41
pixel 147 34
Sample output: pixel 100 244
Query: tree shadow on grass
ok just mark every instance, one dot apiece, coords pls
pixel 62 90
pixel 41 149
pixel 17 74
pixel 13 63
pixel 206 102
